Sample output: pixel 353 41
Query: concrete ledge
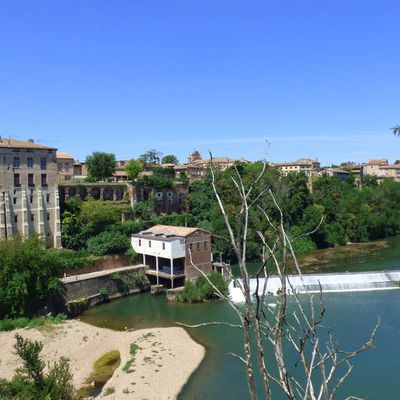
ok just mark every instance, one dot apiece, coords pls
pixel 171 293
pixel 97 274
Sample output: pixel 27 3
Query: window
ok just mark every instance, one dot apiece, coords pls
pixel 48 216
pixel 198 246
pixel 43 180
pixel 205 245
pixel 140 242
pixel 43 163
pixel 66 166
pixel 29 162
pixel 59 166
pixel 163 246
pixel 14 200
pixel 17 181
pixel 47 198
pixel 30 180
pixel 32 217
pixel 17 162
pixel 67 177
pixel 15 218
pixel 31 199
pixel 191 246
pixel 149 243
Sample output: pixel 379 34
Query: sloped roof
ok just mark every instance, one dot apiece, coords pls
pixel 64 156
pixel 20 144
pixel 393 166
pixel 377 161
pixel 182 231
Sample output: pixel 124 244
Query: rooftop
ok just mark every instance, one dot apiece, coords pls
pixel 181 231
pixel 20 144
pixel 64 156
pixel 377 161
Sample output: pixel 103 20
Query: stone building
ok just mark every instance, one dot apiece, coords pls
pixel 65 167
pixel 29 201
pixel 307 165
pixel 171 251
pixel 381 169
pixel 197 167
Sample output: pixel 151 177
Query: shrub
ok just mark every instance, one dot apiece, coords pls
pixel 108 243
pixel 201 290
pixel 31 382
pixel 104 367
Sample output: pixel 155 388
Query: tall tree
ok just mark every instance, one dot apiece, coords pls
pixel 133 168
pixel 101 165
pixel 151 156
pixel 396 130
pixel 169 159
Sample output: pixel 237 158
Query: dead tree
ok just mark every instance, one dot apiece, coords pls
pixel 297 326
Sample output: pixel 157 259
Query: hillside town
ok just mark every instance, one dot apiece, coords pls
pixel 37 179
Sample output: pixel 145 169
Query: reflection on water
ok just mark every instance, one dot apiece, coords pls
pixel 351 315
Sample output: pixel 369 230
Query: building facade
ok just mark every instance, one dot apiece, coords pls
pixel 65 167
pixel 307 165
pixel 29 200
pixel 197 167
pixel 381 169
pixel 171 252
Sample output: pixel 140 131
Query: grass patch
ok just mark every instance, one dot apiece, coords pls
pixel 147 335
pixel 133 348
pixel 127 367
pixel 104 367
pixel 109 390
pixel 19 323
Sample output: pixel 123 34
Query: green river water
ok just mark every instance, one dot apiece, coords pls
pixel 351 315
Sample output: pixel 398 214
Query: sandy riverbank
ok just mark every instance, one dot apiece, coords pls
pixel 163 363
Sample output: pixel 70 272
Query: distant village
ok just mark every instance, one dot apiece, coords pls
pixel 35 180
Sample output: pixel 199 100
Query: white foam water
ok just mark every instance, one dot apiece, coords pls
pixel 334 282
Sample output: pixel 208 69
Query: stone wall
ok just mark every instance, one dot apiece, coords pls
pixel 84 291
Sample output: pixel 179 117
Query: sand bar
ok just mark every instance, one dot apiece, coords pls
pixel 165 359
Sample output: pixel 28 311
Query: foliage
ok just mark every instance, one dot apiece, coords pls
pixel 28 275
pixel 133 348
pixel 108 242
pixel 133 168
pixel 18 323
pixel 151 156
pixel 169 159
pixel 201 290
pixel 348 214
pixel 101 165
pixel 31 382
pixel 104 367
pixel 121 282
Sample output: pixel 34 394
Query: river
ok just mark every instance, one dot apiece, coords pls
pixel 351 315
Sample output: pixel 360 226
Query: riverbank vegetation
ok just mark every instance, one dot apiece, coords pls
pixel 31 382
pixel 203 289
pixel 342 212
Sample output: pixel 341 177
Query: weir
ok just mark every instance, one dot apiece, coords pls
pixel 333 282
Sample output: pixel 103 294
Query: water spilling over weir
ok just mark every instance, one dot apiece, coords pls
pixel 333 282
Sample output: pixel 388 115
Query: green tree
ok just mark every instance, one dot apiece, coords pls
pixel 170 159
pixel 101 165
pixel 31 382
pixel 151 156
pixel 133 168
pixel 28 275
pixel 108 242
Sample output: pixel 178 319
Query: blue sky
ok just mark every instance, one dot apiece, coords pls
pixel 317 78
